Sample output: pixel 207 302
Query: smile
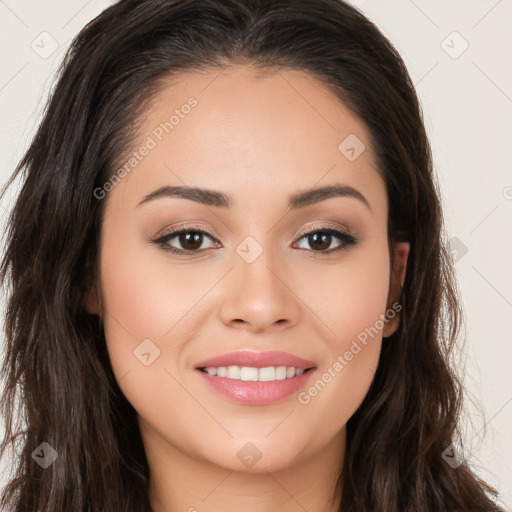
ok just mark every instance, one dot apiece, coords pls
pixel 248 373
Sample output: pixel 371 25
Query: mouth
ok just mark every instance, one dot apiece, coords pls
pixel 255 374
pixel 256 378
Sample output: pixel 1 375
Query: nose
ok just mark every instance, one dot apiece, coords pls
pixel 259 296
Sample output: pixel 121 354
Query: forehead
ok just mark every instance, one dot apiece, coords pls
pixel 237 129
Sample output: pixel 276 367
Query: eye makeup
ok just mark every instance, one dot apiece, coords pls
pixel 317 236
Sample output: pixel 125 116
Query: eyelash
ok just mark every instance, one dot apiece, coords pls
pixel 346 239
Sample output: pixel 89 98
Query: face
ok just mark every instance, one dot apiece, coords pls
pixel 260 268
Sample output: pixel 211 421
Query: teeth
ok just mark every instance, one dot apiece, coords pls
pixel 267 374
pixel 248 373
pixel 281 372
pixel 233 372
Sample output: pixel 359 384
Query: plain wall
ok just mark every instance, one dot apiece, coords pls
pixel 459 54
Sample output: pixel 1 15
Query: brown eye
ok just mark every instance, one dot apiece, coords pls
pixel 191 240
pixel 320 240
pixel 187 241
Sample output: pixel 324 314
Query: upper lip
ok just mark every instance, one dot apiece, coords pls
pixel 256 360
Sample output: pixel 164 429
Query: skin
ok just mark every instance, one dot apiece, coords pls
pixel 257 138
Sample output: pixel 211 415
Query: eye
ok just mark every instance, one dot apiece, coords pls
pixel 320 240
pixel 189 240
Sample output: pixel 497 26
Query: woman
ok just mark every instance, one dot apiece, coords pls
pixel 182 348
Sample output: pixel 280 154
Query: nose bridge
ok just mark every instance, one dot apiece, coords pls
pixel 256 294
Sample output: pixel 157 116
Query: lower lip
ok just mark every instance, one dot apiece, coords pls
pixel 255 392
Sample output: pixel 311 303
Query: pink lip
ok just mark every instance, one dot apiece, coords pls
pixel 256 393
pixel 251 392
pixel 257 360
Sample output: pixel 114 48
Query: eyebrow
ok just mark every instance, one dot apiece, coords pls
pixel 220 200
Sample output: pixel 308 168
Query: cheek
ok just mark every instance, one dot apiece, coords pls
pixel 150 309
pixel 351 301
pixel 144 301
pixel 351 296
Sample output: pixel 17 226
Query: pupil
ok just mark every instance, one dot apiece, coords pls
pixel 192 239
pixel 325 237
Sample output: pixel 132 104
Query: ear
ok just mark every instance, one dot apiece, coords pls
pixel 93 301
pixel 396 283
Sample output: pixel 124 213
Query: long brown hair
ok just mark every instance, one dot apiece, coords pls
pixel 56 364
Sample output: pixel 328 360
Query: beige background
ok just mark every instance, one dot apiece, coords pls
pixel 459 54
